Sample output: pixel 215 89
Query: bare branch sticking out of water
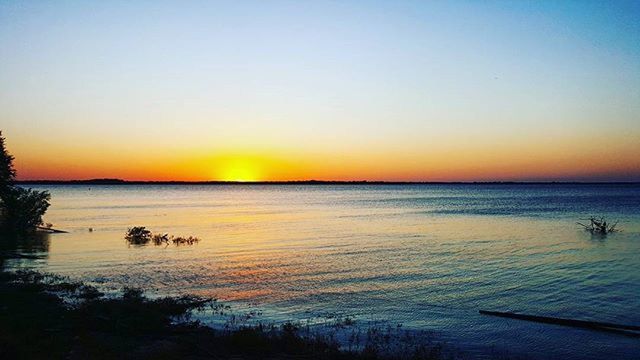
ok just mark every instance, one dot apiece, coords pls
pixel 599 226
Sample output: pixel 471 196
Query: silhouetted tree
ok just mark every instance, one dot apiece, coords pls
pixel 7 171
pixel 21 210
pixel 24 209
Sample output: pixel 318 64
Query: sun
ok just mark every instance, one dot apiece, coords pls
pixel 240 170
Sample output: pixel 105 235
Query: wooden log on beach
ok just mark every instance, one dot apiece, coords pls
pixel 594 325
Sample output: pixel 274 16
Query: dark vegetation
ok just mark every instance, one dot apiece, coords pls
pixel 140 235
pixel 21 209
pixel 47 317
pixel 599 226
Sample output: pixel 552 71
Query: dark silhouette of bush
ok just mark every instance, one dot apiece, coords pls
pixel 180 240
pixel 24 209
pixel 138 235
pixel 21 210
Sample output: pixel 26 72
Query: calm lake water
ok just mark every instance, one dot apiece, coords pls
pixel 426 256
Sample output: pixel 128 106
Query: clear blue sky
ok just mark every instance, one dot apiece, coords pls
pixel 455 90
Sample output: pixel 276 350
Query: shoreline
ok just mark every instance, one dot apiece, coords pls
pixel 49 316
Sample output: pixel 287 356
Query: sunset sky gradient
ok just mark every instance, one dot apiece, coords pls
pixel 329 90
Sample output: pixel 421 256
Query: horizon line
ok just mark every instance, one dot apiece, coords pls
pixel 307 182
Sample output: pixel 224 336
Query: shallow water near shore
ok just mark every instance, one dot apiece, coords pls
pixel 424 256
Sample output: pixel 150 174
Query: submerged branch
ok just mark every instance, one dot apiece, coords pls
pixel 599 226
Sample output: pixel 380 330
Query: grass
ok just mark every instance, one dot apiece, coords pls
pixel 45 316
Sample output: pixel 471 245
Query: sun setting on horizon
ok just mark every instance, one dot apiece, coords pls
pixel 238 169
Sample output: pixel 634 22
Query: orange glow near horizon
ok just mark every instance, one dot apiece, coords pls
pixel 513 160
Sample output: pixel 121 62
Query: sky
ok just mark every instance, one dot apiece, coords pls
pixel 328 90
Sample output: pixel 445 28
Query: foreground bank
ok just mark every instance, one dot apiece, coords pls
pixel 47 317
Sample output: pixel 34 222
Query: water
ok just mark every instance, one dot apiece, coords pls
pixel 426 256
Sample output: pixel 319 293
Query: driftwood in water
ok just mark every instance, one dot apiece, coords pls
pixel 593 325
pixel 50 230
pixel 599 226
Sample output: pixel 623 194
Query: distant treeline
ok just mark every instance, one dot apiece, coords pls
pixel 307 182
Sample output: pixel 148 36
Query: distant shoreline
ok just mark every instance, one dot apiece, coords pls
pixel 310 182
